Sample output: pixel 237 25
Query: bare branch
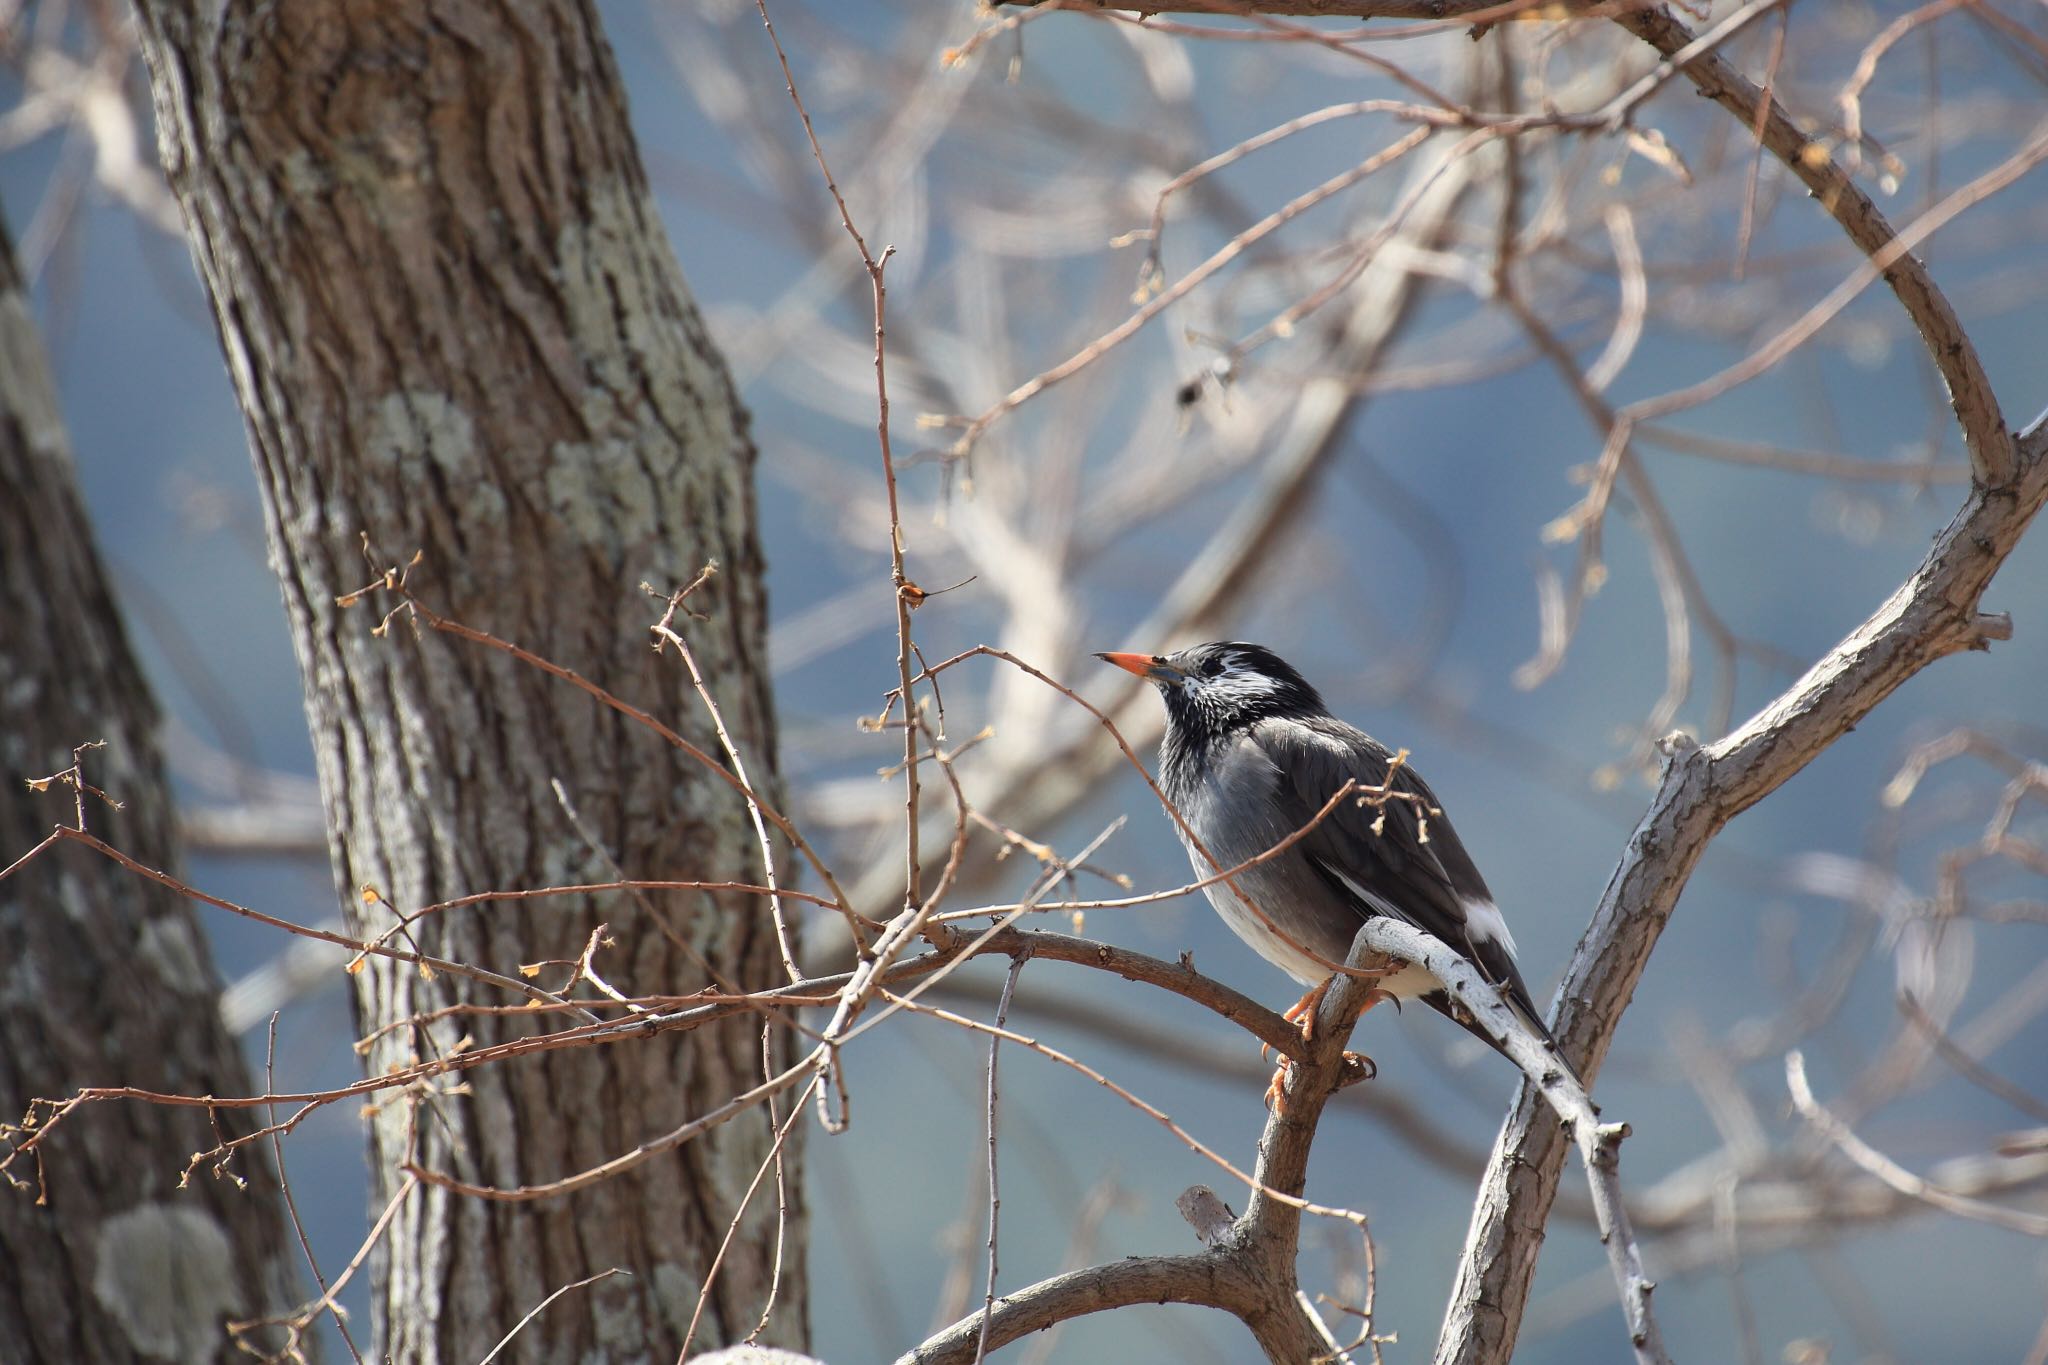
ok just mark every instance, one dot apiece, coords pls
pixel 542 1306
pixel 665 633
pixel 1599 1143
pixel 1248 1271
pixel 1207 1280
pixel 1932 615
pixel 1893 1174
pixel 1990 444
pixel 1315 9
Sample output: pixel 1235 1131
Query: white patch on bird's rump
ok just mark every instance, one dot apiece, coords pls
pixel 1412 980
pixel 1484 921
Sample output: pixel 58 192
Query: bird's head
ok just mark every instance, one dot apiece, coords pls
pixel 1219 688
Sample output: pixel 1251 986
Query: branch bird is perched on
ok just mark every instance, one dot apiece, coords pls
pixel 1251 754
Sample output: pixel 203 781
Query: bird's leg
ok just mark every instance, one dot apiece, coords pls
pixel 1357 1066
pixel 1304 1011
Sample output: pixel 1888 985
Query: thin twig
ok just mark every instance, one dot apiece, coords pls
pixel 773 1161
pixel 995 1197
pixel 329 1300
pixel 542 1306
pixel 1889 1171
pixel 291 1206
pixel 665 632
pixel 1746 228
pixel 778 1130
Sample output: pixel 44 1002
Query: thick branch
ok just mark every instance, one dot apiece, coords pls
pixel 1933 614
pixel 1248 1269
pixel 1208 1280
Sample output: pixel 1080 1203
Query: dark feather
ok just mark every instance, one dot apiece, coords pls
pixel 1424 883
pixel 1250 755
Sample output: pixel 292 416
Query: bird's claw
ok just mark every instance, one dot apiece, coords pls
pixel 1275 1088
pixel 1354 1068
pixel 1303 1012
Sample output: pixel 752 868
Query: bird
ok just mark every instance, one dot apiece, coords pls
pixel 1250 755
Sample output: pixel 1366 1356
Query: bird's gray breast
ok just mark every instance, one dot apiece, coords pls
pixel 1234 804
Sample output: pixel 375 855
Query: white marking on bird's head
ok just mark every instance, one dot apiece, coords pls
pixel 1226 685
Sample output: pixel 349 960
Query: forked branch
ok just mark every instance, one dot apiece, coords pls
pixel 1248 1268
pixel 1933 614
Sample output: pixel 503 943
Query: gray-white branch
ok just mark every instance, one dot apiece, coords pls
pixel 1933 614
pixel 1599 1143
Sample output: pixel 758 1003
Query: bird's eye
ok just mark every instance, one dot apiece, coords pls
pixel 1212 666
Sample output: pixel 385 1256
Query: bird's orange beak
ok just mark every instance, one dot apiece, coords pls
pixel 1140 664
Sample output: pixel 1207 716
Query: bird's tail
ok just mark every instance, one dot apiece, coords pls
pixel 1442 1001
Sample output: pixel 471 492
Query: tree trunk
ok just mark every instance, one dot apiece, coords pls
pixel 105 979
pixel 455 327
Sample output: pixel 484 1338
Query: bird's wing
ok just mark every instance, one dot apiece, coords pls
pixel 1391 868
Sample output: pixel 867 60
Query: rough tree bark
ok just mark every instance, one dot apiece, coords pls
pixel 455 327
pixel 104 977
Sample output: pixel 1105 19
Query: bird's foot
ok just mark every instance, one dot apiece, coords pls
pixel 1276 1086
pixel 1354 1068
pixel 1303 1014
pixel 1304 1010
